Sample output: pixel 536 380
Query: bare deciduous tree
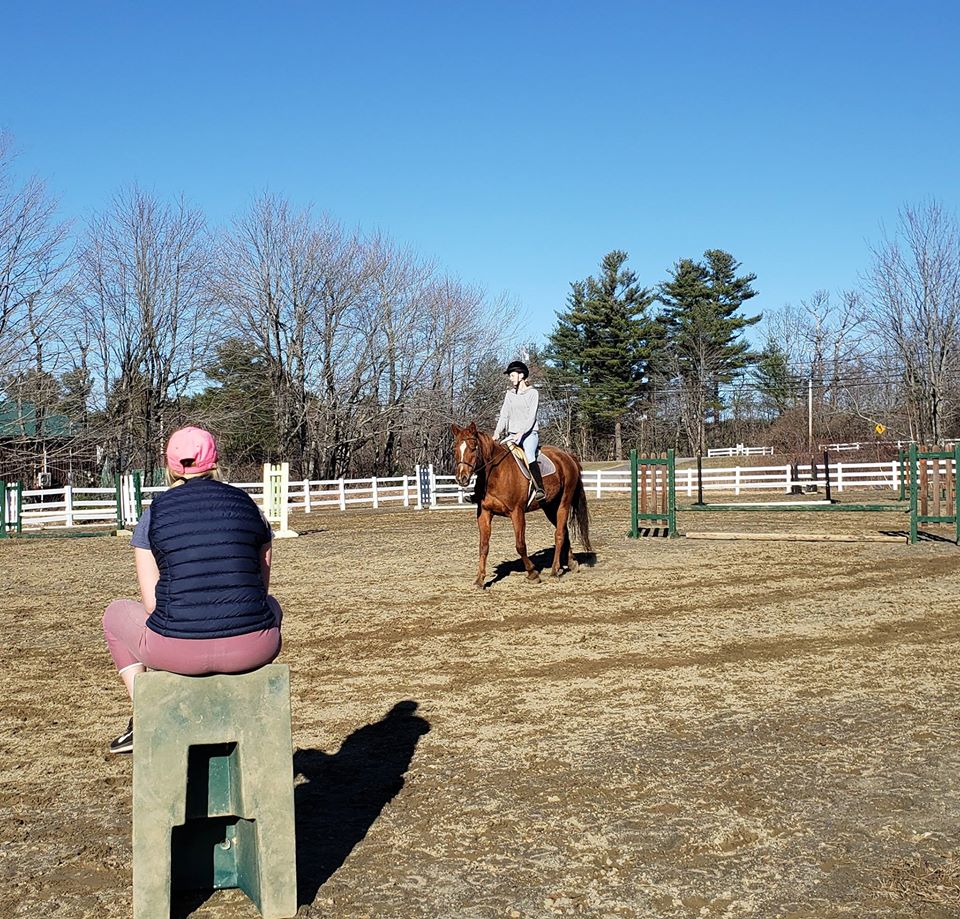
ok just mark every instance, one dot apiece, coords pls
pixel 914 290
pixel 34 258
pixel 145 269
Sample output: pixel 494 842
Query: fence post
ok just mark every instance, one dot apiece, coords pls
pixel 126 490
pixel 898 474
pixel 118 493
pixel 406 490
pixel 671 495
pixel 3 510
pixel 599 475
pixel 913 493
pixel 736 480
pixel 306 496
pixel 18 507
pixel 343 495
pixel 433 486
pixel 138 494
pixel 68 504
pixel 634 497
pixel 417 474
pixel 789 484
pixel 956 490
pixel 839 468
pixel 689 481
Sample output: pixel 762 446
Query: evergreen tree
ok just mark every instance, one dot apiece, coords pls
pixel 601 346
pixel 238 405
pixel 776 385
pixel 703 332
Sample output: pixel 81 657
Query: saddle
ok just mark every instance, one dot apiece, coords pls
pixel 546 466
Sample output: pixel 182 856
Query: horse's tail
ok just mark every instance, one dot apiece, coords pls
pixel 581 516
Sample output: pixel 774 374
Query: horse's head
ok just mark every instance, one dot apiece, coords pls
pixel 467 453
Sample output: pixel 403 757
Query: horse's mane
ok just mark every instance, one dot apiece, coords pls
pixel 487 445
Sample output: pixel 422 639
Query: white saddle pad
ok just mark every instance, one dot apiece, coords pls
pixel 546 465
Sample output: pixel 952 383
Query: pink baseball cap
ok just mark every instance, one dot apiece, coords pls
pixel 191 450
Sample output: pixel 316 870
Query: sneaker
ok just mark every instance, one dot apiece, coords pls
pixel 123 743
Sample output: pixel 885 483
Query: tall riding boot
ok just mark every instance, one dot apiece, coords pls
pixel 539 493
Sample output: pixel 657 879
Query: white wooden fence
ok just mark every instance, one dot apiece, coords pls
pixel 865 445
pixel 76 507
pixel 740 450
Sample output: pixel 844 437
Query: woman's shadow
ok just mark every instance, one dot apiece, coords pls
pixel 343 793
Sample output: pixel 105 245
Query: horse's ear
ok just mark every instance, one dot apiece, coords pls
pixel 455 430
pixel 473 427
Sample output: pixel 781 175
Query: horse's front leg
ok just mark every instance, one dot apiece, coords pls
pixel 484 519
pixel 520 531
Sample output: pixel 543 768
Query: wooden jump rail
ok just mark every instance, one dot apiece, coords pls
pixel 931 489
pixel 934 498
pixel 653 492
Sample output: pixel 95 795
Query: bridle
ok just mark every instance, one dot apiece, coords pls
pixel 478 455
pixel 476 466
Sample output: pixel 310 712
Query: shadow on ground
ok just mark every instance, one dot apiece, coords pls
pixel 922 536
pixel 344 793
pixel 542 560
pixel 340 797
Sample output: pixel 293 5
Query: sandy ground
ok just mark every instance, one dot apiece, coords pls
pixel 710 729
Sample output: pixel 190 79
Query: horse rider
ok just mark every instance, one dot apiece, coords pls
pixel 518 419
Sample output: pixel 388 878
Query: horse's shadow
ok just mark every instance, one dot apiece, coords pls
pixel 343 793
pixel 542 560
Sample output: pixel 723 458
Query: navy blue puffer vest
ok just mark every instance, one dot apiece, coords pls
pixel 206 537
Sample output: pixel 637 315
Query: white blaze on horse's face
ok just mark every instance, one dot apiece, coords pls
pixel 464 469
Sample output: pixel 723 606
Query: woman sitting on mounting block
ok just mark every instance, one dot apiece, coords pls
pixel 518 419
pixel 203 552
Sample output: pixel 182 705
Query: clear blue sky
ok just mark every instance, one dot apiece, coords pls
pixel 515 142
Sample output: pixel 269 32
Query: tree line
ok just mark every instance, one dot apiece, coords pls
pixel 294 337
pixel 289 335
pixel 669 363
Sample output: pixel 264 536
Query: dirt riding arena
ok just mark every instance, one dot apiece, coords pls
pixel 682 728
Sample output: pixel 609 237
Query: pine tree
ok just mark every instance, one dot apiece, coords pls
pixel 703 333
pixel 776 385
pixel 601 346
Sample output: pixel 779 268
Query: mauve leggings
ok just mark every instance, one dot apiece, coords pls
pixel 131 642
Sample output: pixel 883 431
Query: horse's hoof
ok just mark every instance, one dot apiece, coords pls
pixel 555 572
pixel 478 584
pixel 534 577
pixel 573 566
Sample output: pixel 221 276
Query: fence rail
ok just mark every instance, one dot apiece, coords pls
pixel 75 507
pixel 740 450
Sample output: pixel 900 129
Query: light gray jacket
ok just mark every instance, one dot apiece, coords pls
pixel 518 417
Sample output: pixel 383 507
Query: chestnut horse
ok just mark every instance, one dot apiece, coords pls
pixel 503 490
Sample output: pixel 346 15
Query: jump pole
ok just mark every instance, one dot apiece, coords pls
pixel 662 512
pixel 276 493
pixel 826 472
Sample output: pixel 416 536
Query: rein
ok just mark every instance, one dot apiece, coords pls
pixel 477 466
